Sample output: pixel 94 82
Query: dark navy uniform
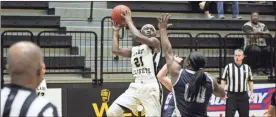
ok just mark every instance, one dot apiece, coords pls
pixel 185 106
pixel 169 106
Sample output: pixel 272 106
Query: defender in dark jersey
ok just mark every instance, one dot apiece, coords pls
pixel 192 88
pixel 169 106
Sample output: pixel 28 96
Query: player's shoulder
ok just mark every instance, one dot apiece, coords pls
pixel 209 77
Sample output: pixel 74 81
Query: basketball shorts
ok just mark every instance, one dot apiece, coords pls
pixel 169 107
pixel 147 93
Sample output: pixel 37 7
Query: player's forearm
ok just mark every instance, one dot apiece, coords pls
pixel 167 83
pixel 166 45
pixel 163 78
pixel 163 72
pixel 251 86
pixel 220 91
pixel 115 43
pixel 223 83
pixel 134 31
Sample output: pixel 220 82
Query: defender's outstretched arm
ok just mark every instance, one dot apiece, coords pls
pixel 173 66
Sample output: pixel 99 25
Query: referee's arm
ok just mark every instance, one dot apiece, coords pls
pixel 250 81
pixel 224 76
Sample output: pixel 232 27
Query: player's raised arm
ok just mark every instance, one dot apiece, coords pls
pixel 173 66
pixel 124 52
pixel 140 38
pixel 162 75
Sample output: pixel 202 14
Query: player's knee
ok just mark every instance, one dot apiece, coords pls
pixel 114 111
pixel 110 113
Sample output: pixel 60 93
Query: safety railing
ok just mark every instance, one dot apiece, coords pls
pixel 65 52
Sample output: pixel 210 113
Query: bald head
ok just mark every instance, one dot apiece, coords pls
pixel 25 62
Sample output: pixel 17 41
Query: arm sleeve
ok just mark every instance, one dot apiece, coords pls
pixel 49 111
pixel 273 99
pixel 225 73
pixel 250 77
pixel 247 29
pixel 266 29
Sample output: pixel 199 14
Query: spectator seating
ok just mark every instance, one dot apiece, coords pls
pixel 61 62
pixel 188 7
pixel 200 24
pixel 65 60
pixel 11 21
pixel 24 5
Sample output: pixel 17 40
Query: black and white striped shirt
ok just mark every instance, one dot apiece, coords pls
pixel 237 77
pixel 18 101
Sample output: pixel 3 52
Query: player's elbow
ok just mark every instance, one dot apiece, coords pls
pixel 222 94
pixel 160 78
pixel 169 52
pixel 115 51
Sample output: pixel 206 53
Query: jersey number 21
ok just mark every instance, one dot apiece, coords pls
pixel 200 98
pixel 138 62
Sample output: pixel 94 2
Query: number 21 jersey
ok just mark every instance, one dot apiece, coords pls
pixel 144 62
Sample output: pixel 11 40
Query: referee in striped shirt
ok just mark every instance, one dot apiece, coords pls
pixel 237 76
pixel 18 99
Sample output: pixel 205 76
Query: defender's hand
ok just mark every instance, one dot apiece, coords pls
pixel 178 59
pixel 163 21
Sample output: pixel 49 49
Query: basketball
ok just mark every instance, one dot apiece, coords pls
pixel 116 14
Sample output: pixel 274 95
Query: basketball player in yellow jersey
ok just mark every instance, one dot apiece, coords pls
pixel 144 60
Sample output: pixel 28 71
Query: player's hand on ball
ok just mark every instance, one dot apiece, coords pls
pixel 127 15
pixel 116 27
pixel 178 59
pixel 163 21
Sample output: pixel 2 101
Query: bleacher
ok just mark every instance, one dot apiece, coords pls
pixel 65 52
pixel 208 35
pixel 75 53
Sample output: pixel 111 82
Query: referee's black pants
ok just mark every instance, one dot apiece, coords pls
pixel 237 102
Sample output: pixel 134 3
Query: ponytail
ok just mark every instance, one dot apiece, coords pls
pixel 195 61
pixel 194 87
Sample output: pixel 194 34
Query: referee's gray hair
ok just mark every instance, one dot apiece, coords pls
pixel 239 50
